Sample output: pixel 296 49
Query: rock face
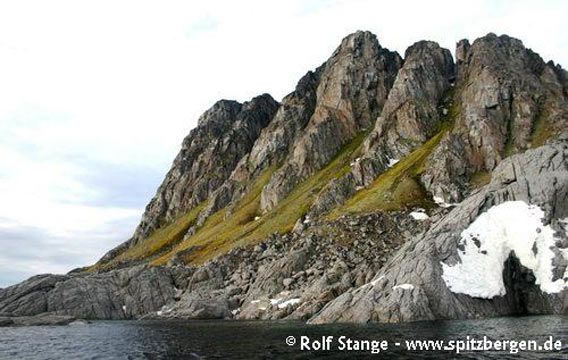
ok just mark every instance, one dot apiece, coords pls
pixel 273 145
pixel 506 98
pixel 290 217
pixel 411 286
pixel 353 87
pixel 224 134
pixel 412 113
pixel 119 294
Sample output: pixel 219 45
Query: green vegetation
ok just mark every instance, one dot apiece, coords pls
pixel 160 239
pixel 225 230
pixel 542 129
pixel 480 178
pixel 243 224
pixel 509 148
pixel 398 187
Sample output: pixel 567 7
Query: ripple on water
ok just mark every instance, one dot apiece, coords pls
pixel 251 340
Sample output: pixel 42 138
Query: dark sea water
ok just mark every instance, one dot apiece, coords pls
pixel 267 340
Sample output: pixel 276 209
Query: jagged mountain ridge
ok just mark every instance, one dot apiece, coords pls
pixel 340 203
pixel 494 101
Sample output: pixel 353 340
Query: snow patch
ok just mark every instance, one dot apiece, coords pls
pixel 419 214
pixel 371 283
pixel 289 302
pixel 486 244
pixel 392 162
pixel 164 310
pixel 403 287
pixel 441 202
pixel 275 301
pixel 354 162
pixel 255 301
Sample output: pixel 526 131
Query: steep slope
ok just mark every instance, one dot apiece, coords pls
pixel 448 125
pixel 509 99
pixel 273 145
pixel 326 114
pixel 224 134
pixel 353 88
pixel 414 111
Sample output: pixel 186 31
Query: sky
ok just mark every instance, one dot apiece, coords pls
pixel 96 96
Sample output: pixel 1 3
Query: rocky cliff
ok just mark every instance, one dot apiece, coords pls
pixel 380 189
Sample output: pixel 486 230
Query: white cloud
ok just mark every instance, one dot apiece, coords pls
pixel 121 82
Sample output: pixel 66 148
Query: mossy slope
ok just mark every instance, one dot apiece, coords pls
pixel 245 225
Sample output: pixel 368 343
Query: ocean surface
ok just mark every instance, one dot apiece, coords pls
pixel 268 340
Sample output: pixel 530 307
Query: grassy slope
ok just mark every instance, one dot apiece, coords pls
pixel 223 231
pixel 160 239
pixel 398 187
pixel 542 129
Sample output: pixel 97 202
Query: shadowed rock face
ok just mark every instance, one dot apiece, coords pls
pixel 498 99
pixel 273 145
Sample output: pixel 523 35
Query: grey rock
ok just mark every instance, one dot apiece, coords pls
pixel 200 304
pixel 504 93
pixel 539 177
pixel 224 134
pixel 6 321
pixel 410 117
pixel 43 319
pixel 354 84
pixel 118 294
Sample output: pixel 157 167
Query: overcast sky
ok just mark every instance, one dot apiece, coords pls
pixel 96 96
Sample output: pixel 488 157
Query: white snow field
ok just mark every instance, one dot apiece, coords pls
pixel 488 241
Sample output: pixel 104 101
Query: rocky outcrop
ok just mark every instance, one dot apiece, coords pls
pixel 224 134
pixel 45 319
pixel 273 145
pixel 507 100
pixel 118 294
pixel 353 87
pixel 411 286
pixel 413 112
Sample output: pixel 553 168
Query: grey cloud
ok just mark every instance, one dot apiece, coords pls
pixel 120 185
pixel 26 246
